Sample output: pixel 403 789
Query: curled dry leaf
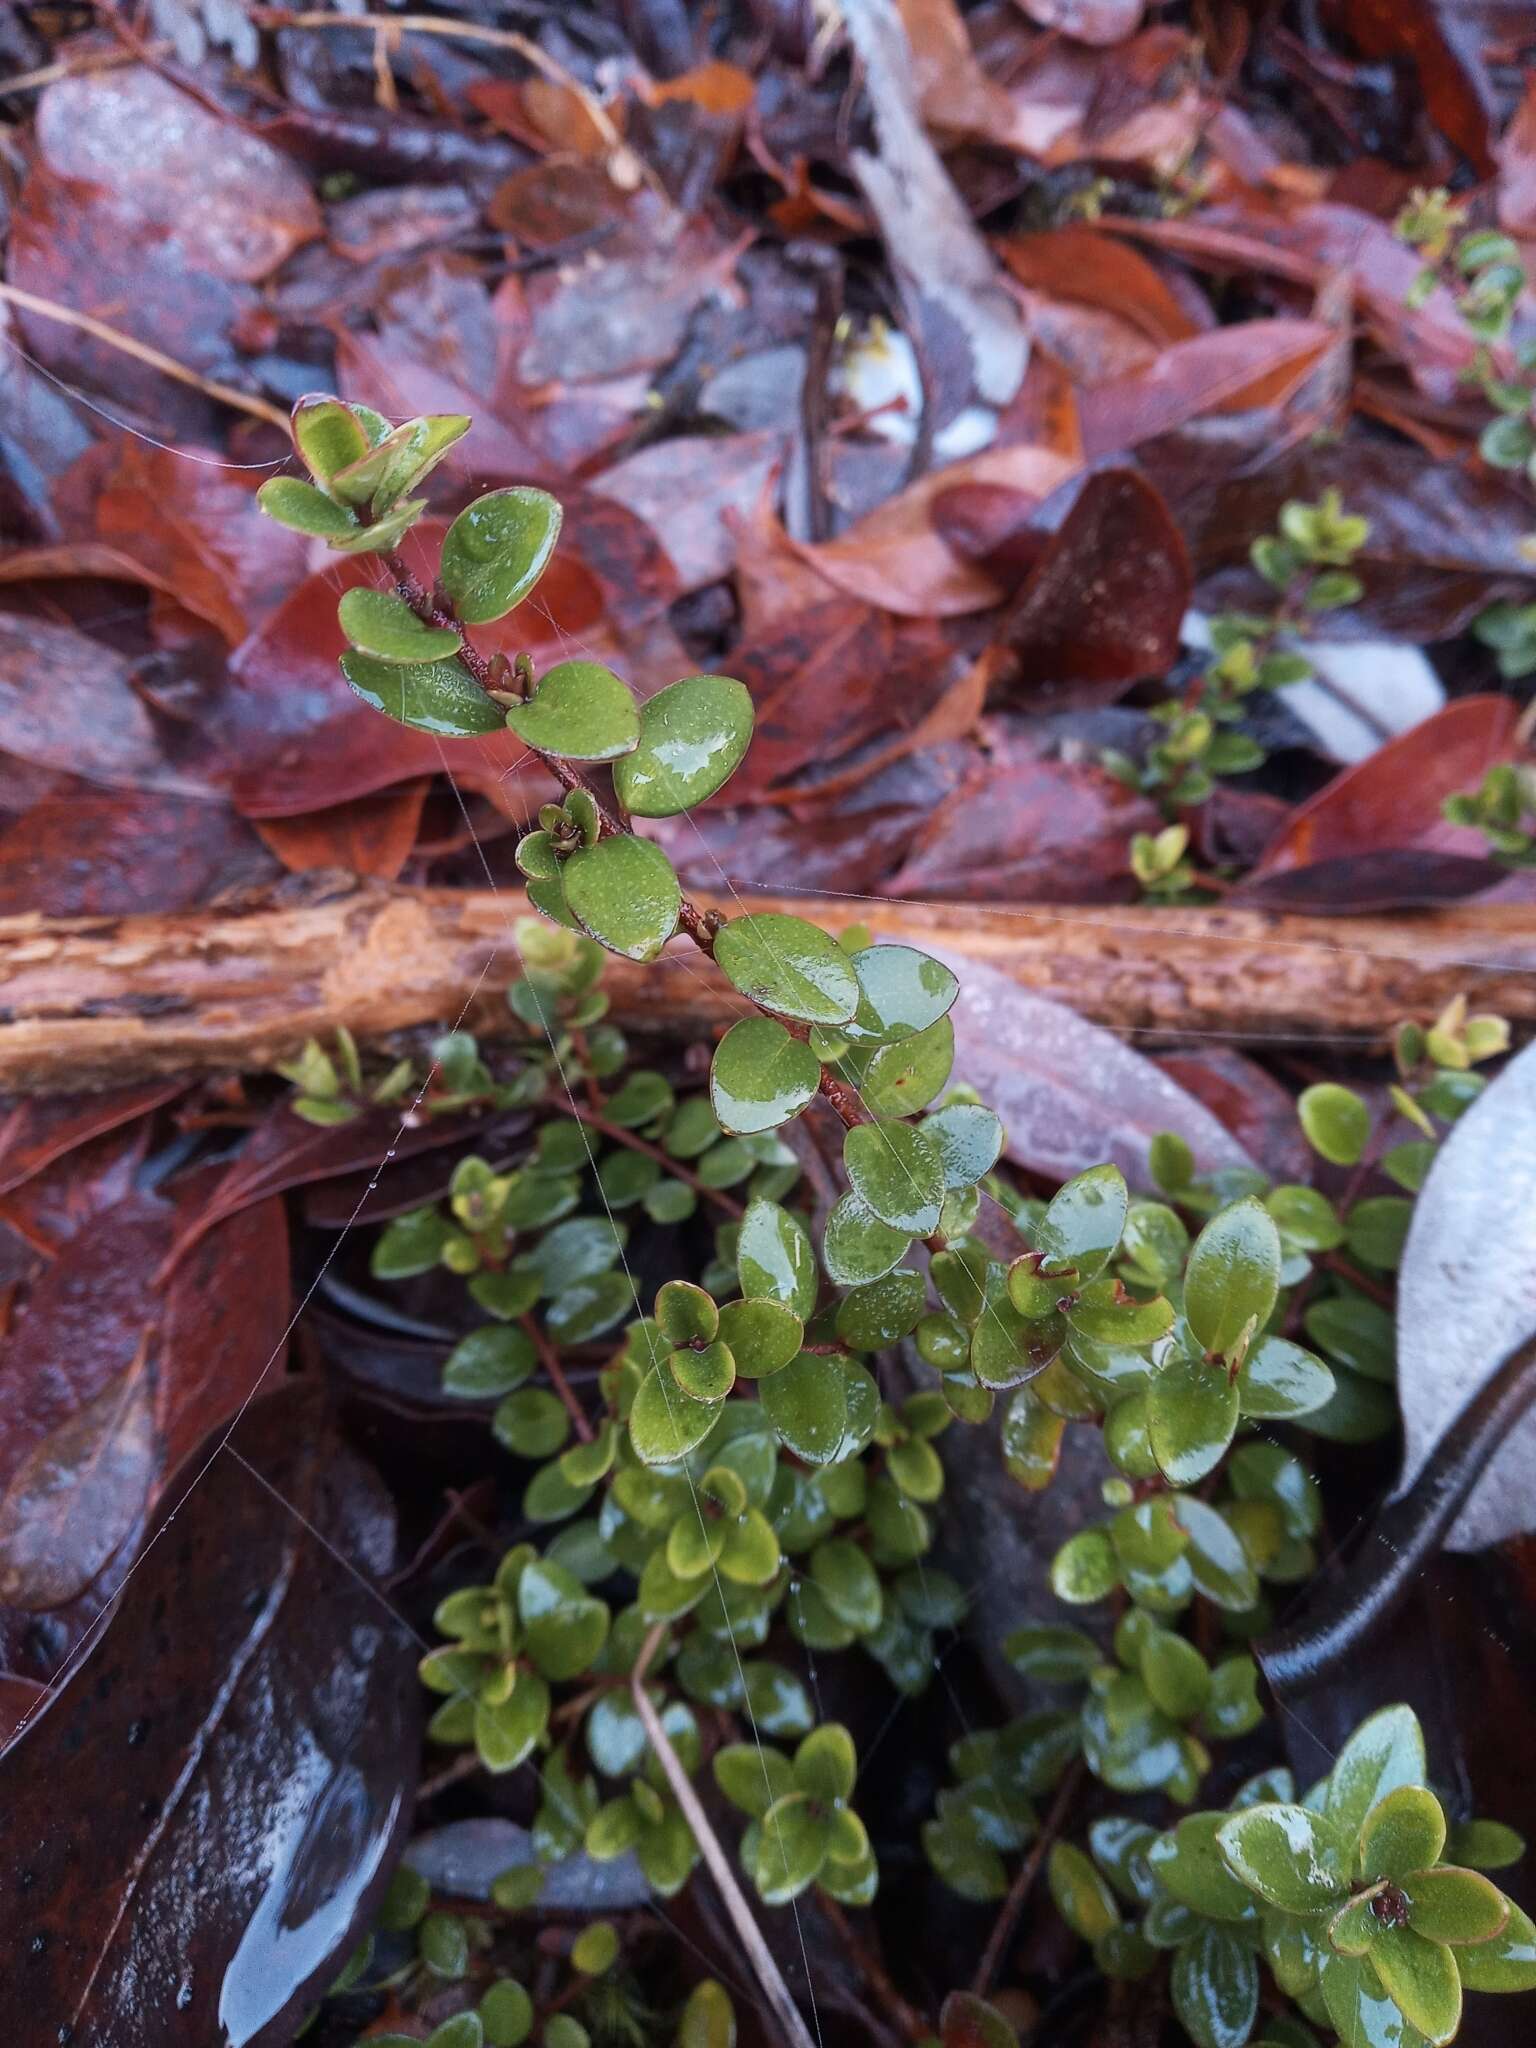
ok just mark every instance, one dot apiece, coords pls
pixel 174 1896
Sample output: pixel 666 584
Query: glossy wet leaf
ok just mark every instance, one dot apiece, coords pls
pixel 624 892
pixel 1421 1979
pixel 1279 1379
pixel 1384 1752
pixel 807 1403
pixel 489 1362
pixel 564 1628
pixel 434 696
pixel 849 1583
pixel 901 992
pixel 894 1171
pixel 303 509
pixel 1086 1568
pixel 1456 1906
pixel 968 1139
pixel 1192 1406
pixel 1189 1864
pixel 1359 2008
pixel 1507 1962
pixel 665 1423
pixel 1403 1832
pixel 774 1258
pixel 1291 1858
pixel 328 435
pixel 763 1335
pixel 705 1374
pixel 693 736
pixel 1336 1121
pixel 244 1595
pixel 579 711
pixel 882 1313
pixel 496 550
pixel 857 1246
pixel 761 1076
pixel 788 966
pixel 379 623
pixel 900 1079
pixel 1215 1987
pixel 686 1313
pixel 1082 1224
pixel 1233 1276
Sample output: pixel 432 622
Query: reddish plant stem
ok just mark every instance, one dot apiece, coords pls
pixel 675 1167
pixel 1013 1905
pixel 549 1358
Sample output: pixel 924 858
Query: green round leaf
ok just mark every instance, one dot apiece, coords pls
pixel 434 696
pixel 693 735
pixel 849 1584
pixel 788 966
pixel 901 992
pixel 1192 1407
pixel 1215 1986
pixel 1455 1906
pixel 1421 1979
pixel 1082 1225
pixel 882 1313
pixel 665 1423
pixel 506 2014
pixel 761 1076
pixel 763 1335
pixel 564 1627
pixel 1385 1751
pixel 1175 1674
pixel 508 1731
pixel 1507 1962
pixel 496 550
pixel 807 1404
pixel 302 509
pixel 580 711
pixel 1291 1858
pixel 856 1246
pixel 1484 1845
pixel 1052 1656
pixel 968 1140
pixel 625 893
pixel 443 1944
pixel 900 1079
pixel 686 1313
pixel 1085 1568
pixel 1279 1379
pixel 488 1362
pixel 1188 1863
pixel 1233 1276
pixel 1402 1833
pixel 705 1375
pixel 896 1174
pixel 382 624
pixel 774 1259
pixel 1082 1897
pixel 1336 1121
pixel 826 1764
pixel 328 435
pixel 532 1423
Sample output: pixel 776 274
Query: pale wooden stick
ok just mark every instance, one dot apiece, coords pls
pixel 113 337
pixel 769 1975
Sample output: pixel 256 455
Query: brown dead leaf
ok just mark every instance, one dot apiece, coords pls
pixel 372 835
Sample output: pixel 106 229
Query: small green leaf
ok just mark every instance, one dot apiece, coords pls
pixel 807 1404
pixel 328 435
pixel 693 736
pixel 857 1246
pixel 303 509
pixel 968 1140
pixel 900 1079
pixel 1082 1225
pixel 1385 1751
pixel 763 1336
pixel 792 1849
pixel 1233 1276
pixel 753 1776
pixel 564 1627
pixel 665 1423
pixel 1403 1832
pixel 1421 1979
pixel 1192 1406
pixel 443 1944
pixel 894 1171
pixel 1085 1568
pixel 494 553
pixel 1052 1656
pixel 488 1362
pixel 1354 1927
pixel 508 1731
pixel 849 1584
pixel 1082 1897
pixel 788 966
pixel 531 1423
pixel 827 1764
pixel 381 624
pixel 707 1374
pixel 1291 1858
pixel 1507 1962
pixel 1215 1987
pixel 624 892
pixel 1188 1863
pixel 1279 1379
pixel 761 1076
pixel 1175 1674
pixel 883 1312
pixel 580 711
pixel 434 696
pixel 901 992
pixel 686 1313
pixel 1455 1906
pixel 1336 1121
pixel 506 2013
pixel 774 1258
pixel 1484 1845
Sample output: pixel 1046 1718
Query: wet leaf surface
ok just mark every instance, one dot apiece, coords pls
pixel 174 1893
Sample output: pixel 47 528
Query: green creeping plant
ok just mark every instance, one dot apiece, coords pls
pixel 739 1468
